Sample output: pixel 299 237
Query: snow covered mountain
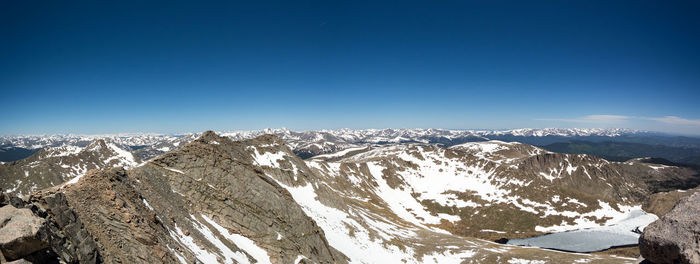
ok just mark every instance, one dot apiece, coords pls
pixel 308 143
pixel 55 165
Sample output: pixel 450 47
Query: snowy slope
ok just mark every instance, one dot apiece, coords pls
pixel 372 217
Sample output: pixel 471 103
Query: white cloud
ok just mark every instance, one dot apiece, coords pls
pixel 591 119
pixel 674 120
pixel 620 119
pixel 606 118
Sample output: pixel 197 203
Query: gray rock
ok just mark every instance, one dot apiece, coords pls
pixel 4 198
pixel 675 238
pixel 67 236
pixel 21 233
pixel 217 178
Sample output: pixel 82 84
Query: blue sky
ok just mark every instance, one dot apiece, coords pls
pixel 128 66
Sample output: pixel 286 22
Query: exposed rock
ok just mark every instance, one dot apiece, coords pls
pixel 675 238
pixel 67 235
pixel 4 198
pixel 44 256
pixel 101 218
pixel 11 199
pixel 21 232
pixel 216 178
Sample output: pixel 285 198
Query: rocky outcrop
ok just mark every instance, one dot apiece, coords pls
pixel 213 180
pixel 69 238
pixel 103 216
pixel 21 232
pixel 675 238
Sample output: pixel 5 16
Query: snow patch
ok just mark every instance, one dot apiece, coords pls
pixel 244 243
pixel 267 158
pixel 174 170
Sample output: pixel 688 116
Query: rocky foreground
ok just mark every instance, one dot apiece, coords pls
pixel 675 238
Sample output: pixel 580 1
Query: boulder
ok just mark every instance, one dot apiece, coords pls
pixel 21 232
pixel 675 238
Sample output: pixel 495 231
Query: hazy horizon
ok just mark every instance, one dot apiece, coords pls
pixel 337 129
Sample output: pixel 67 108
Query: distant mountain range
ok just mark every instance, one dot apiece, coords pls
pixel 621 151
pixel 307 144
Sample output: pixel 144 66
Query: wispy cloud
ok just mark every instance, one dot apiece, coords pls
pixel 590 119
pixel 613 119
pixel 674 120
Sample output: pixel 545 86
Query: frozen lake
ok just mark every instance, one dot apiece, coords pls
pixel 593 239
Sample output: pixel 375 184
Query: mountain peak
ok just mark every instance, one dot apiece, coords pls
pixel 210 137
pixel 96 145
pixel 270 139
pixel 208 134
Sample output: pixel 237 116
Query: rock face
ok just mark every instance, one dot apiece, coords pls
pixel 21 232
pixel 212 181
pixel 103 218
pixel 68 237
pixel 675 238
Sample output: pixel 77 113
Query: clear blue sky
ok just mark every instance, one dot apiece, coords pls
pixel 128 66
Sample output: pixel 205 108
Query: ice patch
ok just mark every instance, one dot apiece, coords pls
pixel 624 232
pixel 582 220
